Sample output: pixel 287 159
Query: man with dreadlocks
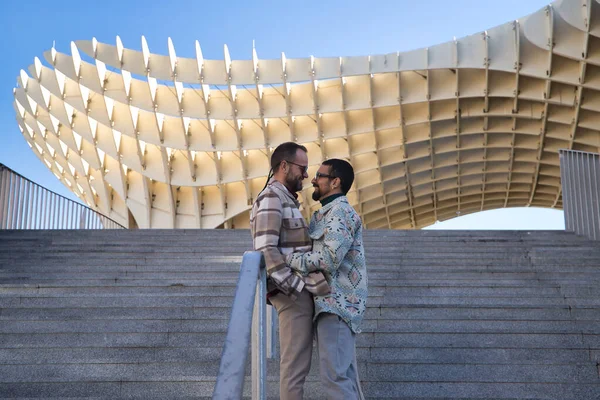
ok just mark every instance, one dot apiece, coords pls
pixel 278 229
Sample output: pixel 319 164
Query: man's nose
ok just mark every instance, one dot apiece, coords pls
pixel 305 175
pixel 313 181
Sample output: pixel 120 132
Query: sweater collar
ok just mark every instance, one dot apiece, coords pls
pixel 329 199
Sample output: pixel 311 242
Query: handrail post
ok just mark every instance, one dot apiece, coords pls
pixel 259 339
pixel 26 205
pixel 271 333
pixel 580 178
pixel 252 279
pixel 4 181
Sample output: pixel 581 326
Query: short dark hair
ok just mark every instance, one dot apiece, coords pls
pixel 285 151
pixel 341 169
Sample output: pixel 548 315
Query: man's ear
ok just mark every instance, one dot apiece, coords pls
pixel 337 182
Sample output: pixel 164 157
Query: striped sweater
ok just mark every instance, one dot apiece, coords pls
pixel 278 229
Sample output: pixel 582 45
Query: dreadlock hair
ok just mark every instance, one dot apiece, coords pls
pixel 285 151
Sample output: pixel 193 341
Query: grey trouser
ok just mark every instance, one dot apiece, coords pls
pixel 337 358
pixel 295 342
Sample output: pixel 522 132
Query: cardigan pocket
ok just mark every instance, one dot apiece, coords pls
pixel 318 223
pixel 294 233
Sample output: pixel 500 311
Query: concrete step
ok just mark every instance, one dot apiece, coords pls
pixel 477 340
pixel 459 253
pixel 430 276
pixel 461 390
pixel 227 289
pixel 120 301
pixel 374 281
pixel 127 239
pixel 418 355
pixel 207 313
pixel 58 236
pixel 174 291
pixel 372 372
pixel 165 325
pixel 403 314
pixel 498 373
pixel 313 390
pixel 111 340
pixel 127 274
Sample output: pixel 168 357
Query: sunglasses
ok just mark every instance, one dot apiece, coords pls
pixel 303 168
pixel 320 175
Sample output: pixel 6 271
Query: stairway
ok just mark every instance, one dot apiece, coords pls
pixel 451 314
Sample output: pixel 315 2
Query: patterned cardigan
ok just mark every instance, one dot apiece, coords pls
pixel 278 228
pixel 338 252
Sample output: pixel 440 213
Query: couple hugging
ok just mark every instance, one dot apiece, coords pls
pixel 317 273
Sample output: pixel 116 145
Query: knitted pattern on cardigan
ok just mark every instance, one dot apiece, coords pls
pixel 338 252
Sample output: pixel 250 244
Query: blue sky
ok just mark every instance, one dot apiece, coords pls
pixel 302 28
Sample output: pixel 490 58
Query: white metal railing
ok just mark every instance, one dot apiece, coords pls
pixel 251 321
pixel 580 177
pixel 26 205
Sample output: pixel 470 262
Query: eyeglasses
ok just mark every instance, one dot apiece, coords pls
pixel 303 168
pixel 320 175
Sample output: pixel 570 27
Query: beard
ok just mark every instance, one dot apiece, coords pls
pixel 294 182
pixel 316 194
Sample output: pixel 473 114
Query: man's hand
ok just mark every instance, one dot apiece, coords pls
pixel 316 284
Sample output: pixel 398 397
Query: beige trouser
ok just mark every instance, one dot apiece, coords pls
pixel 295 342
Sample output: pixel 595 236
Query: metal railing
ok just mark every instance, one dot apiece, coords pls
pixel 580 176
pixel 26 205
pixel 251 321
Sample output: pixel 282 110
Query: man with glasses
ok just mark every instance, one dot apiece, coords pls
pixel 337 251
pixel 278 229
